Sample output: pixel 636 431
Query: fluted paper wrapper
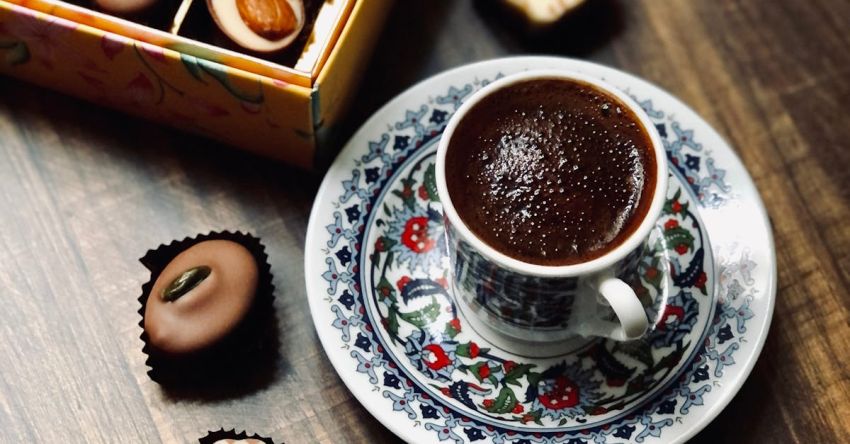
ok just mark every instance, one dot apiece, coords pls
pixel 241 357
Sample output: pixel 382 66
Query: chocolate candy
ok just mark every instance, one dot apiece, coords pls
pixel 124 7
pixel 200 296
pixel 259 25
pixel 543 13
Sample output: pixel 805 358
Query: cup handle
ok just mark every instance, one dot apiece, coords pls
pixel 627 306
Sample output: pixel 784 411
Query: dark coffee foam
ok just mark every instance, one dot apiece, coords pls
pixel 551 171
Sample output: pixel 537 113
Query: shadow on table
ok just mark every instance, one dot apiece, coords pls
pixel 232 377
pixel 398 61
pixel 739 422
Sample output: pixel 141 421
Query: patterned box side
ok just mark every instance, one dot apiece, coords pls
pixel 344 68
pixel 262 115
pixel 136 31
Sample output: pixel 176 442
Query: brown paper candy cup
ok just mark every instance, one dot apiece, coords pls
pixel 218 435
pixel 244 357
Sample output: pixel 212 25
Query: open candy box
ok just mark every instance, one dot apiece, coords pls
pixel 268 76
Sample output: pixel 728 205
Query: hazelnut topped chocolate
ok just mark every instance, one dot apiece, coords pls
pixel 200 296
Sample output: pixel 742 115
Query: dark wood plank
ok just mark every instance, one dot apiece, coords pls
pixel 85 192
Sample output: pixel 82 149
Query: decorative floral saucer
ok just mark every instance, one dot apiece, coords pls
pixel 377 278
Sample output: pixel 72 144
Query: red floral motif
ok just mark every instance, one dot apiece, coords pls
pixel 518 408
pixel 527 418
pixel 473 350
pixel 111 45
pixel 488 403
pixel 423 192
pixel 415 235
pixel 670 312
pixel 155 52
pixel 484 371
pixel 651 273
pixel 509 365
pixel 406 192
pixel 437 358
pixel 671 224
pixel 403 282
pixel 140 90
pixel 564 394
pixel 455 323
pixel 681 248
pixel 380 247
pixel 701 279
pixel 677 207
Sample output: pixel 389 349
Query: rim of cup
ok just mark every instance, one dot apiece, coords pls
pixel 594 265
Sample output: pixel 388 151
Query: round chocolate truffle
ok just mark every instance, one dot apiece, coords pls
pixel 200 296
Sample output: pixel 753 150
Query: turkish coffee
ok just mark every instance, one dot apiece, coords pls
pixel 551 171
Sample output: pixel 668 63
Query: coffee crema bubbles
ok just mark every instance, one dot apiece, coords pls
pixel 551 171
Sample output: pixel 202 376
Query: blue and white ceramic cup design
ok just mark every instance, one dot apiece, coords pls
pixel 538 303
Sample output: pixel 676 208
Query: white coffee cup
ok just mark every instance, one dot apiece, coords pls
pixel 506 295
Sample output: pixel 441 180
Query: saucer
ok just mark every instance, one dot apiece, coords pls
pixel 377 279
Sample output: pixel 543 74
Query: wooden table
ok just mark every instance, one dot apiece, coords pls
pixel 84 192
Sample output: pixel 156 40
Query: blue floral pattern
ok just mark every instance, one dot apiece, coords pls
pixel 461 376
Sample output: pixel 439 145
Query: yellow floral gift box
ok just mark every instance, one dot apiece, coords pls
pixel 247 102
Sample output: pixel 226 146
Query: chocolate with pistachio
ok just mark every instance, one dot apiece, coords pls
pixel 206 308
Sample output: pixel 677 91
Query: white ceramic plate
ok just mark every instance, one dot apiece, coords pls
pixel 376 274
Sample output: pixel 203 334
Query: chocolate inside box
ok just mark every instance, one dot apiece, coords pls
pixel 242 360
pixel 199 25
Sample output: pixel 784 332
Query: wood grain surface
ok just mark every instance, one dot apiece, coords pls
pixel 84 192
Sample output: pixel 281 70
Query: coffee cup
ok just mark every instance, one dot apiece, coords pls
pixel 517 159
